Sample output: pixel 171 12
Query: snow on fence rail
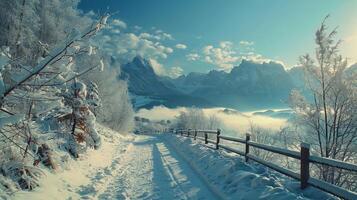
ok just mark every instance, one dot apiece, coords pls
pixel 304 157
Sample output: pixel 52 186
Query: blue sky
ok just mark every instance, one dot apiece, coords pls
pixel 218 34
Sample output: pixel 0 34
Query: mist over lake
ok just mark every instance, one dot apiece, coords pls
pixel 234 122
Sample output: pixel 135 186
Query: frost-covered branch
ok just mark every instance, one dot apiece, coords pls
pixel 55 55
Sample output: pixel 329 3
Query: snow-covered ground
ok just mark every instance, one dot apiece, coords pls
pixel 144 167
pixel 229 176
pixel 164 166
pixel 151 169
pixel 86 176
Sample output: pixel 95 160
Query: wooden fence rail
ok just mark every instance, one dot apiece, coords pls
pixel 304 157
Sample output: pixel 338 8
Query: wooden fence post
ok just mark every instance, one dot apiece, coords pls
pixel 195 134
pixel 217 141
pixel 247 139
pixel 304 165
pixel 206 138
pixel 181 132
pixel 188 132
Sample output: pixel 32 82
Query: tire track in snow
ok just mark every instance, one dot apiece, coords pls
pixel 149 169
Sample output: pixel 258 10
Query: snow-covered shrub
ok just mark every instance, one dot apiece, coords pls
pixel 194 118
pixel 83 127
pixel 116 110
pixel 7 186
pixel 93 97
pixel 26 176
pixel 45 155
pixel 285 138
pixel 263 136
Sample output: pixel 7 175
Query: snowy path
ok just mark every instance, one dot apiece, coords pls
pixel 125 167
pixel 150 169
pixel 160 167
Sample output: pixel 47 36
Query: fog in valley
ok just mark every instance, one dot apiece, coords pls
pixel 233 121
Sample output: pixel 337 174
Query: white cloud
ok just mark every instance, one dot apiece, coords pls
pixel 175 72
pixel 160 70
pixel 126 46
pixel 246 46
pixel 192 57
pixel 181 46
pixel 258 58
pixel 157 67
pixel 167 36
pixel 226 55
pixel 119 23
pixel 207 49
pixel 222 56
pixel 158 31
pixel 246 43
pixel 226 44
pixel 115 31
pixel 137 28
pixel 149 45
pixel 149 36
pixel 156 36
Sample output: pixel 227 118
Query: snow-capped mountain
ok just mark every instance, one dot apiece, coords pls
pixel 148 89
pixel 249 85
pixel 143 80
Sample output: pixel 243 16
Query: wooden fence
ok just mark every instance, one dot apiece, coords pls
pixel 304 157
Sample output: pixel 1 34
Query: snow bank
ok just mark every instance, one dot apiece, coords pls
pixel 68 183
pixel 228 174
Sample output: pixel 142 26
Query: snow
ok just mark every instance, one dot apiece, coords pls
pixel 10 119
pixel 305 145
pixel 152 169
pixel 124 168
pixel 164 166
pixel 334 163
pixel 333 188
pixel 229 174
pixel 101 68
pixel 88 170
pixel 90 50
pixel 290 153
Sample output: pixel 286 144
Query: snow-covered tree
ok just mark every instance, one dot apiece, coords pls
pixel 214 122
pixel 56 18
pixel 18 27
pixel 116 111
pixel 329 119
pixel 32 94
pixel 195 118
pixel 83 124
pixel 32 27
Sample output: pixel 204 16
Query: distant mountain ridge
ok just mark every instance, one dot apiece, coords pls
pixel 145 85
pixel 247 86
pixel 143 80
